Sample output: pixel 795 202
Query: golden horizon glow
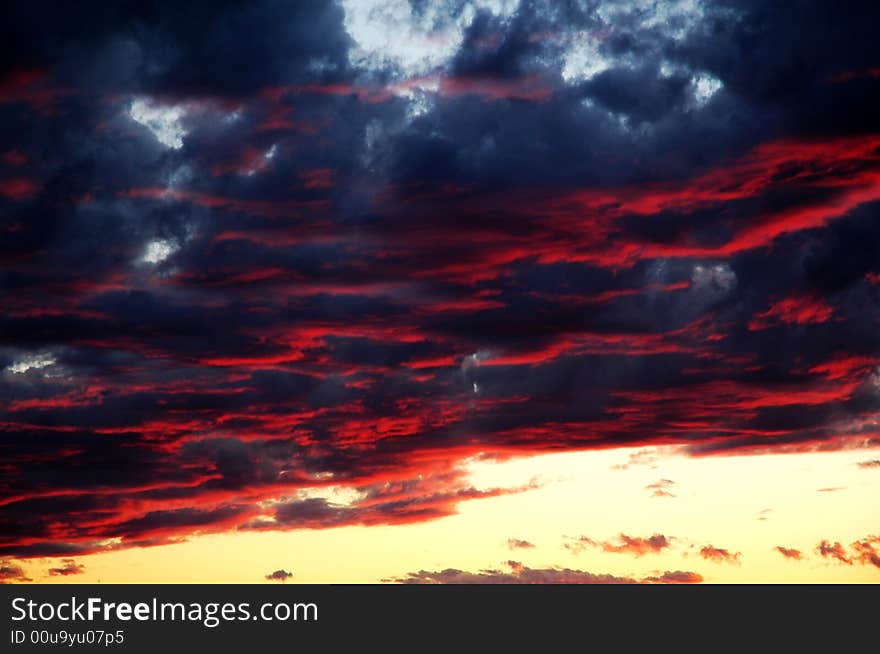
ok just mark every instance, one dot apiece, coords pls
pixel 743 504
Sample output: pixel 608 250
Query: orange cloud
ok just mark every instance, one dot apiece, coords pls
pixel 719 554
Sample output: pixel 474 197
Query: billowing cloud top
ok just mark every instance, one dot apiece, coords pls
pixel 288 264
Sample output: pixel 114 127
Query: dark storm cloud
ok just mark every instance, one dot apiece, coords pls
pixel 639 94
pixel 248 254
pixel 167 48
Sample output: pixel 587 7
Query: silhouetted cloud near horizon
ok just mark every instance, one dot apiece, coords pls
pixel 279 575
pixel 520 574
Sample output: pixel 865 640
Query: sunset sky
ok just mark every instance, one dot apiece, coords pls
pixel 483 291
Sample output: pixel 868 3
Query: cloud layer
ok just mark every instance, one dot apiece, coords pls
pixel 517 573
pixel 294 281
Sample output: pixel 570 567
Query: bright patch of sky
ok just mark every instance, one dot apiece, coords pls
pixel 473 360
pixel 673 17
pixel 704 87
pixel 31 362
pixel 718 277
pixel 168 122
pixel 423 39
pixel 337 495
pixel 163 121
pixel 158 251
pixel 268 155
pixel 426 38
pixel 583 58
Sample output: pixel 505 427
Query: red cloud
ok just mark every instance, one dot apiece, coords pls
pixel 719 555
pixel 248 162
pixel 259 207
pixel 318 178
pixel 69 567
pixel 30 87
pixel 519 544
pixel 789 553
pixel 488 88
pixel 867 73
pixel 14 158
pixel 625 544
pixel 794 311
pixel 834 550
pixel 864 551
pixel 18 189
pixel 10 572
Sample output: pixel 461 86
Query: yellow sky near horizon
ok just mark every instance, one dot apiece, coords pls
pixel 718 501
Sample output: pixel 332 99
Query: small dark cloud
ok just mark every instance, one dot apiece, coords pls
pixel 519 544
pixel 279 575
pixel 68 567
